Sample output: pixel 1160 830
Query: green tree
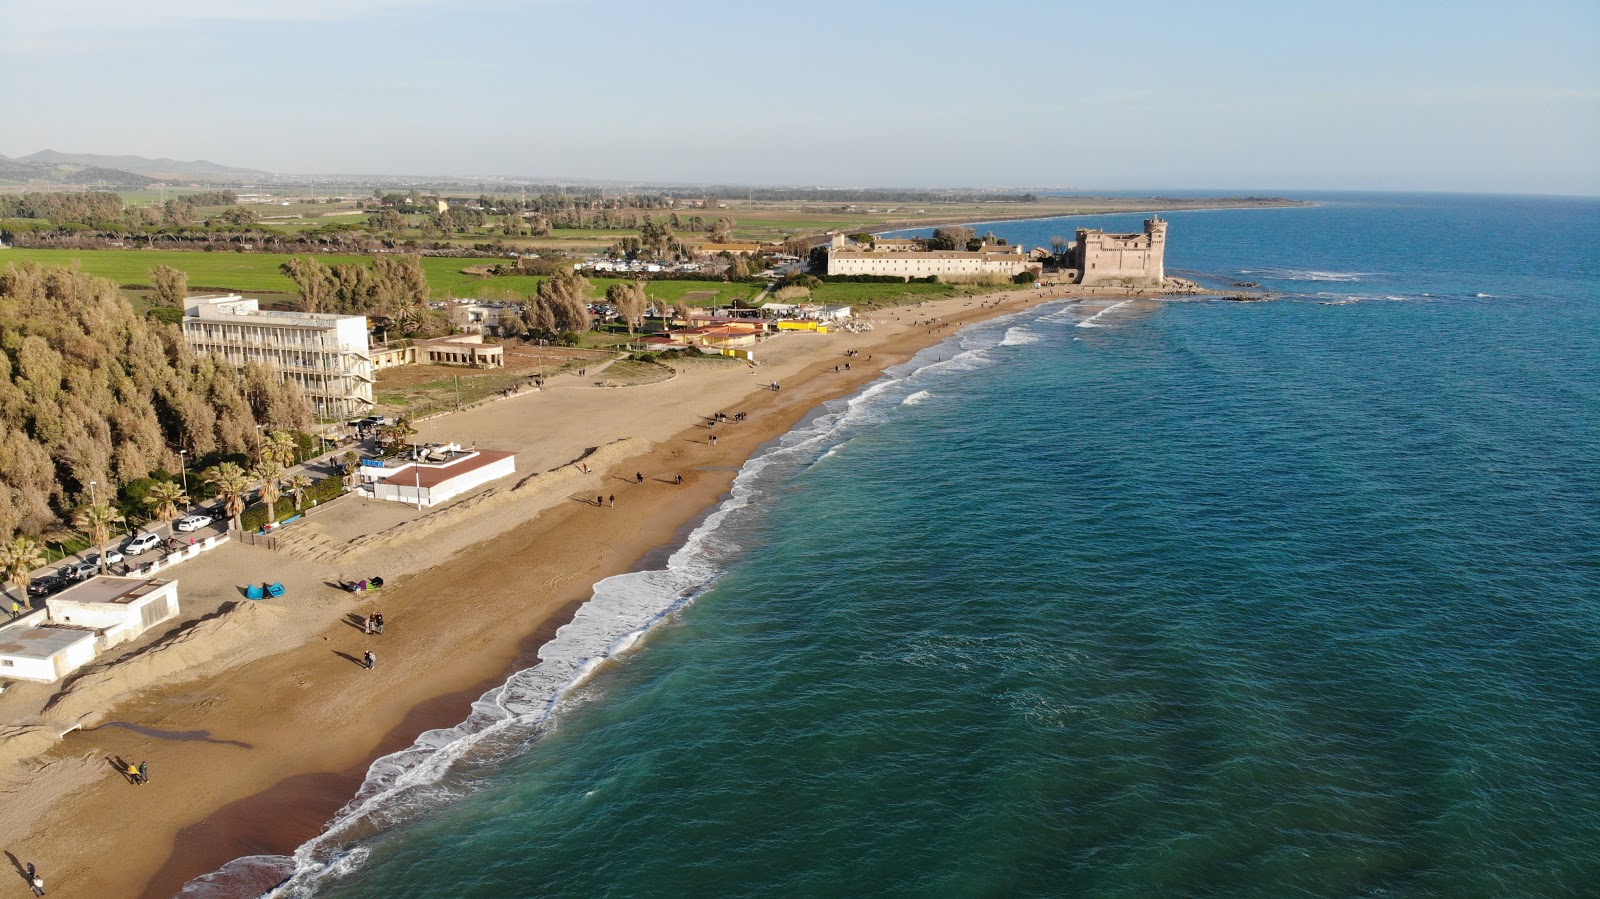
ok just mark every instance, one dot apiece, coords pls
pixel 393 436
pixel 95 520
pixel 19 556
pixel 297 488
pixel 171 286
pixel 630 300
pixel 231 483
pixel 270 474
pixel 164 498
pixel 280 447
pixel 563 299
pixel 314 280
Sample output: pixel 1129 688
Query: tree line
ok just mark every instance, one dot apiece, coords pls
pixel 93 394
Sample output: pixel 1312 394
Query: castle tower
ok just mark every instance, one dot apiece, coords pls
pixel 1155 228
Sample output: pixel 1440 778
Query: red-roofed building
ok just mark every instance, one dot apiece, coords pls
pixel 444 475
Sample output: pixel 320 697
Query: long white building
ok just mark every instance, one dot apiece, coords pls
pixel 327 355
pixel 896 260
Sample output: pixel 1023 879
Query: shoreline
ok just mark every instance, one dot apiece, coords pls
pixel 272 794
pixel 1132 210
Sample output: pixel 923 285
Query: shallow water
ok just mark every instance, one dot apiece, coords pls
pixel 1194 598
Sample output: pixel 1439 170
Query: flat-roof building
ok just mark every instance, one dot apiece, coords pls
pixel 32 650
pixel 326 354
pixel 81 621
pixel 117 608
pixel 445 473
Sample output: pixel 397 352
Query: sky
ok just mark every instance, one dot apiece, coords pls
pixel 1309 95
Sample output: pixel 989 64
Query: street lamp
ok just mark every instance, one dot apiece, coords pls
pixel 92 504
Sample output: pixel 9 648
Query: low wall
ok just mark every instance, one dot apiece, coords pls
pixel 182 555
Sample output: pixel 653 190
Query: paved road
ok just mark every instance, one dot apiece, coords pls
pixel 318 467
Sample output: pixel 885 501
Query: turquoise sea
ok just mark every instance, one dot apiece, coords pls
pixel 1199 598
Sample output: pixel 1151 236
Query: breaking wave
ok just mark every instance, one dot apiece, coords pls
pixel 439 766
pixel 1289 274
pixel 1090 321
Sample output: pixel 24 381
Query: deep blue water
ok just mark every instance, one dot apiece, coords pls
pixel 1297 598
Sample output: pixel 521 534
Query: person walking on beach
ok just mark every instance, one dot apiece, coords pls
pixel 366 625
pixel 713 440
pixel 678 479
pixel 613 500
pixel 600 501
pixel 143 777
pixel 37 883
pixel 369 660
pixel 638 477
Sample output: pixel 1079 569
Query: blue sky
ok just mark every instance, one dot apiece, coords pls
pixel 1462 96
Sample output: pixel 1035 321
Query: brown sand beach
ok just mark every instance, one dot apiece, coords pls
pixel 259 721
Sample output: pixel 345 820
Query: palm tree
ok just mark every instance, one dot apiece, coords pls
pixel 270 474
pixel 281 447
pixel 95 520
pixel 348 463
pixel 297 489
pixel 164 498
pixel 232 483
pixel 395 435
pixel 19 556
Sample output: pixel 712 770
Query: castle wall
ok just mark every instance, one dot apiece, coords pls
pixel 1122 260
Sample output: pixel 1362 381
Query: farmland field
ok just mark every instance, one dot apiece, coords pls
pixel 258 273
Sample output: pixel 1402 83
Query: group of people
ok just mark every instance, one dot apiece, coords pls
pixel 139 774
pixel 35 879
pixel 373 624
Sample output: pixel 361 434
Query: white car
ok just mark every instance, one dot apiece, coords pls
pixel 193 523
pixel 113 556
pixel 141 544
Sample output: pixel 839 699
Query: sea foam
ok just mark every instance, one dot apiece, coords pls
pixel 404 785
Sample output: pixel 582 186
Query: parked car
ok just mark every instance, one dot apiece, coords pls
pixel 81 571
pixel 193 523
pixel 44 586
pixel 141 544
pixel 113 556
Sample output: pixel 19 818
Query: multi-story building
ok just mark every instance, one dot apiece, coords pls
pixel 327 355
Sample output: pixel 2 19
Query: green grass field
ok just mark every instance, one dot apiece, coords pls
pixel 259 273
pixel 249 273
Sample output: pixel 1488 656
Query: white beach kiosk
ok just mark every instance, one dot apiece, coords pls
pixel 443 473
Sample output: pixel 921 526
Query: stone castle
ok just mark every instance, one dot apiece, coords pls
pixel 1097 259
pixel 1122 260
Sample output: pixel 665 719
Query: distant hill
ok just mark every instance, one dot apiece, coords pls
pixel 25 171
pixel 154 168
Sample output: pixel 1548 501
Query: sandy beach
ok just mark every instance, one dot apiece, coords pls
pixel 259 720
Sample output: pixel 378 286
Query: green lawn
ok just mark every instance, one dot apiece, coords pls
pixel 258 273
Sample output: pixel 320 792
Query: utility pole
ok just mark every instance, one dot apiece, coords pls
pixel 183 466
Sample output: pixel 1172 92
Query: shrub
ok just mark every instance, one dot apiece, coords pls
pixel 318 493
pixel 1027 277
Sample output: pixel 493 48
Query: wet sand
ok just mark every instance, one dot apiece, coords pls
pixel 276 745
